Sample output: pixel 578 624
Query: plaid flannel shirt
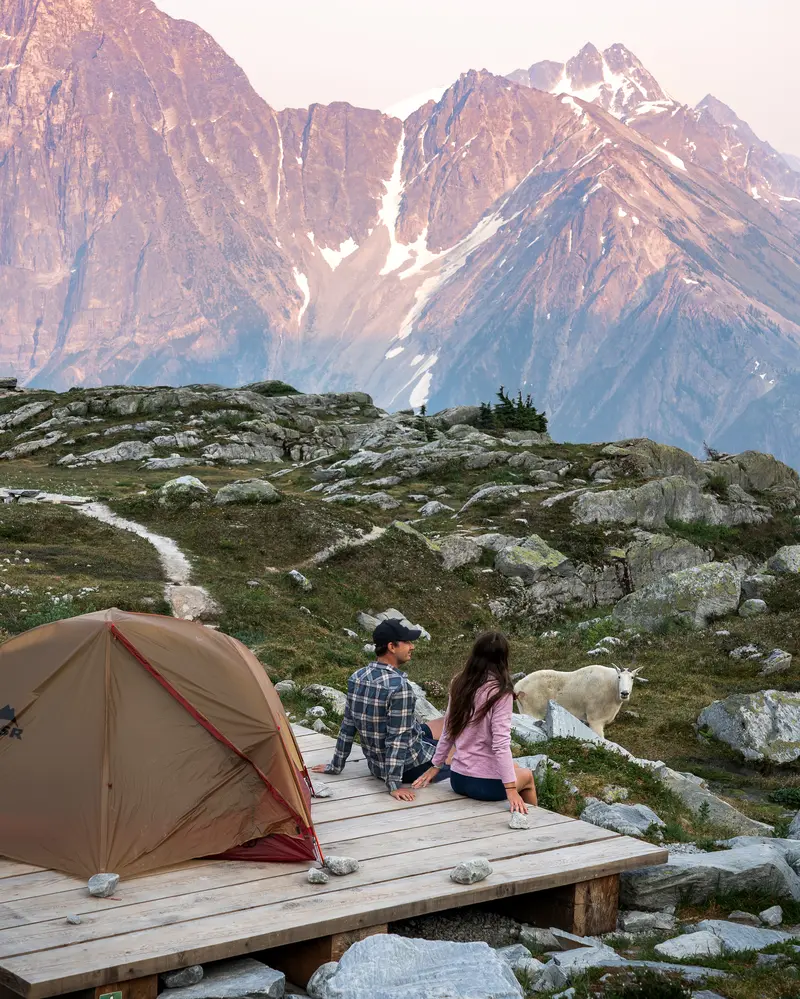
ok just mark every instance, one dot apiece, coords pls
pixel 380 707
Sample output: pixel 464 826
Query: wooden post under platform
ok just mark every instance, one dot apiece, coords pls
pixel 299 961
pixel 587 908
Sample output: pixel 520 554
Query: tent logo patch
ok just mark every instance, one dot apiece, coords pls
pixel 8 723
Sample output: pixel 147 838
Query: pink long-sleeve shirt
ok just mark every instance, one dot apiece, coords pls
pixel 484 747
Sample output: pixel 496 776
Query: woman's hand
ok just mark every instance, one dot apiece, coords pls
pixel 515 801
pixel 426 778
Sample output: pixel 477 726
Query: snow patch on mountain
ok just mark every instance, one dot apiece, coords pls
pixel 334 257
pixel 676 161
pixel 389 211
pixel 302 284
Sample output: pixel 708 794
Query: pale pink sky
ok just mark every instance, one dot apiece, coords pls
pixel 375 53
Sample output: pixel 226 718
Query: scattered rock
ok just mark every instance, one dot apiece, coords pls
pixel 471 871
pixel 646 922
pixel 304 583
pixel 183 490
pixel 384 966
pixel 757 587
pixel 700 944
pixel 124 451
pixel 744 651
pixel 736 938
pixel 185 976
pixel 103 885
pixel 772 916
pixel 793 832
pixel 74 920
pixel 317 877
pixel 745 918
pixel 519 820
pixel 528 560
pixel 283 687
pixel 514 953
pixel 335 699
pixel 629 820
pixel 247 491
pixel 340 866
pixel 777 661
pixel 753 608
pixel 537 938
pixel 785 562
pixel 241 978
pixel 696 878
pixel 319 980
pixel 761 726
pixel 193 603
pixel 434 508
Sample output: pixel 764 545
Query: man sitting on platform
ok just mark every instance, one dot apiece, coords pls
pixel 380 707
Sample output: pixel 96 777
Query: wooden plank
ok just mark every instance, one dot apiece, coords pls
pixel 315 740
pixel 355 770
pixel 144 952
pixel 410 818
pixel 12 868
pixel 195 905
pixel 300 730
pixel 39 883
pixel 332 808
pixel 152 888
pixel 316 756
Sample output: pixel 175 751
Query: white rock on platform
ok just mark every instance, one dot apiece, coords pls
pixel 317 877
pixel 471 871
pixel 340 866
pixel 519 820
pixel 103 885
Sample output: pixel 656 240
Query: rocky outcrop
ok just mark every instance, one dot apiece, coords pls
pixel 674 498
pixel 762 726
pixel 691 597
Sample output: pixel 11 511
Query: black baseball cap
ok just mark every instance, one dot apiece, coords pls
pixel 394 631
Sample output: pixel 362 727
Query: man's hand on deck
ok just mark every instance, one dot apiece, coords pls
pixel 403 794
pixel 320 768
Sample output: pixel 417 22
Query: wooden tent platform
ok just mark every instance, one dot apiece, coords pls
pixel 208 910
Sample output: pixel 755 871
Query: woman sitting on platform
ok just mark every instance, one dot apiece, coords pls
pixel 477 731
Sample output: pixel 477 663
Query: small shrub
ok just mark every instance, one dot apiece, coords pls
pixel 552 791
pixel 650 985
pixel 718 485
pixel 789 796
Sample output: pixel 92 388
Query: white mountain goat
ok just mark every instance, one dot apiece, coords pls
pixel 593 693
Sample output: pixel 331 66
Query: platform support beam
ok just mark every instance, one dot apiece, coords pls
pixel 587 908
pixel 299 961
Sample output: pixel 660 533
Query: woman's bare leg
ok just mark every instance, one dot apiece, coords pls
pixel 437 727
pixel 526 785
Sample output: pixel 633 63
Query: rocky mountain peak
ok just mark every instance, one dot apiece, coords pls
pixel 614 78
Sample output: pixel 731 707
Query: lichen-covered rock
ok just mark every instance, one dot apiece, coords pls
pixel 124 451
pixel 496 493
pixel 247 491
pixel 693 792
pixel 761 726
pixel 335 699
pixel 753 608
pixel 786 561
pixel 433 508
pixel 317 876
pixel 690 596
pixel 651 556
pixel 457 551
pixel 529 559
pixel 757 587
pixel 703 943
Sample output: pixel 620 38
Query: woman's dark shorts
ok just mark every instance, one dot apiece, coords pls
pixel 480 788
pixel 414 773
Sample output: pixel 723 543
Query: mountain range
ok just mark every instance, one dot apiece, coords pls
pixel 570 230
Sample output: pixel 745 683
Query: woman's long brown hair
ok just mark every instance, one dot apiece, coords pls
pixel 487 661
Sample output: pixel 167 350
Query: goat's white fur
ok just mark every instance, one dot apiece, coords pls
pixel 594 694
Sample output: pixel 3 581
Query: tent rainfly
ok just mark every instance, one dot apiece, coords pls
pixel 130 742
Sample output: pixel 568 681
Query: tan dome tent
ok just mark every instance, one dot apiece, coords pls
pixel 129 742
